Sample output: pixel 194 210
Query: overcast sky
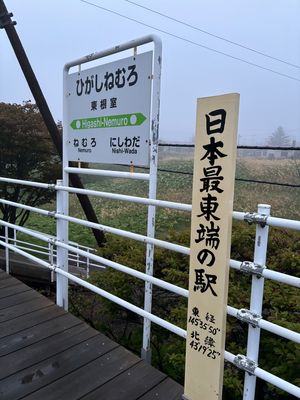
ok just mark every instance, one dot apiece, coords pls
pixel 54 32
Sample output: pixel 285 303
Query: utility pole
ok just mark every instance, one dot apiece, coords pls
pixel 9 26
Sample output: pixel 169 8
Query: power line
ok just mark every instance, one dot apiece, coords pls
pixel 172 171
pixel 269 147
pixel 191 41
pixel 191 145
pixel 212 34
pixel 268 183
pixel 176 145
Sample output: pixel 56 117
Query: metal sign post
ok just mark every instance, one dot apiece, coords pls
pixel 111 115
pixel 212 206
pixel 157 59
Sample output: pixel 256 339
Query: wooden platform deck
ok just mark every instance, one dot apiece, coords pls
pixel 47 353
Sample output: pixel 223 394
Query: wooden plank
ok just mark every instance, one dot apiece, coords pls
pixel 34 378
pixel 36 333
pixel 31 273
pixel 26 269
pixel 46 353
pixel 24 308
pixel 167 389
pixel 131 384
pixel 93 374
pixel 37 352
pixel 19 298
pixel 3 275
pixel 8 282
pixel 26 321
pixel 12 290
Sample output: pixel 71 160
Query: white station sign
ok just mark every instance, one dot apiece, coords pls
pixel 108 110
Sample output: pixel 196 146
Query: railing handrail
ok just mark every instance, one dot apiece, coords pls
pixel 104 228
pixel 280 277
pixel 273 275
pixel 274 328
pixel 245 266
pixel 44 247
pixel 237 215
pixel 31 247
pixel 174 288
pixel 273 379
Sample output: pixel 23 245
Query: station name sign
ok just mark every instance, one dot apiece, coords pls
pixel 108 112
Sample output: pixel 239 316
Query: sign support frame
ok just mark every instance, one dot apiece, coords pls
pixel 154 135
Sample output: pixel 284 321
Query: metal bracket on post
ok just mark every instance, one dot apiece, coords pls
pixel 52 241
pixel 244 363
pixel 52 187
pixel 256 218
pixel 248 316
pixel 53 271
pixel 252 268
pixel 5 19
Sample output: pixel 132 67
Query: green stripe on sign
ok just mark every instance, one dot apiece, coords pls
pixel 111 121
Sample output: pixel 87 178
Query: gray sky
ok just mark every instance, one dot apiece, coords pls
pixel 56 31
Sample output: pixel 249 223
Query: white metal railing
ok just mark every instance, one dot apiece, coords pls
pixel 50 253
pixel 257 269
pixel 103 228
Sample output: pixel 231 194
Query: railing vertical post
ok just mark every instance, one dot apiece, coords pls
pixel 51 259
pixel 77 257
pixel 15 237
pixel 50 253
pixel 62 254
pixel 256 302
pixel 6 251
pixel 146 349
pixel 88 265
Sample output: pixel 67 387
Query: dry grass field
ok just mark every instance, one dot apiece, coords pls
pixel 285 201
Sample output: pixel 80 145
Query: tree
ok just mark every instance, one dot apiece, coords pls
pixel 279 138
pixel 26 153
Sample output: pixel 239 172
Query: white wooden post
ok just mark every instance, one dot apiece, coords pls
pixel 213 187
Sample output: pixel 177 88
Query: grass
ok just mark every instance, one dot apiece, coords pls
pixel 285 201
